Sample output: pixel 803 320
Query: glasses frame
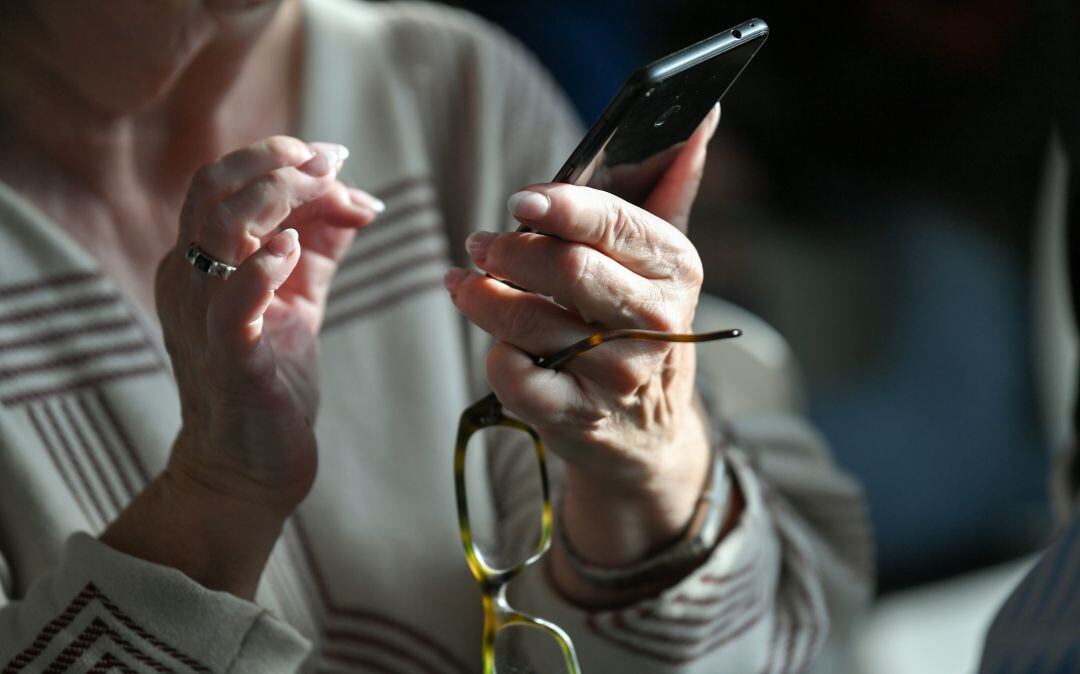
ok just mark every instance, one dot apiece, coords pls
pixel 488 413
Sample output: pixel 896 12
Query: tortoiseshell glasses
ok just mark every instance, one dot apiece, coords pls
pixel 512 640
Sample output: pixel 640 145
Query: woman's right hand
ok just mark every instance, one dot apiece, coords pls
pixel 244 353
pixel 244 349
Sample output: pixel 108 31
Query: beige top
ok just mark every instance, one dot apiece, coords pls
pixel 445 117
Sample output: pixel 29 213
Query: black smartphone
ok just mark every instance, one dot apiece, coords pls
pixel 639 133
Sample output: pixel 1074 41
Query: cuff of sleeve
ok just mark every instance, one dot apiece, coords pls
pixel 722 605
pixel 151 614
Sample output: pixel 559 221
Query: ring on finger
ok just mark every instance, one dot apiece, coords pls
pixel 206 264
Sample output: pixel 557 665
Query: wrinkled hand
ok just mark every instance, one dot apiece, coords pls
pixel 244 349
pixel 623 416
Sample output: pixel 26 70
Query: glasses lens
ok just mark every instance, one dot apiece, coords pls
pixel 506 504
pixel 525 649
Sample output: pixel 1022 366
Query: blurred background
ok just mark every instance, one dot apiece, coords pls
pixel 872 193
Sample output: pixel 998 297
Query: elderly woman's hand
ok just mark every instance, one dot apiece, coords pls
pixel 624 417
pixel 244 349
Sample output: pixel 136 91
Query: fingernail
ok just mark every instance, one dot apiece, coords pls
pixel 478 243
pixel 715 114
pixel 342 155
pixel 317 166
pixel 328 157
pixel 528 205
pixel 365 200
pixel 453 278
pixel 284 243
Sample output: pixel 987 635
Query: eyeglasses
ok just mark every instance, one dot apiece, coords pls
pixel 511 636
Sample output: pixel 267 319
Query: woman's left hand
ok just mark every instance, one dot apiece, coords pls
pixel 624 417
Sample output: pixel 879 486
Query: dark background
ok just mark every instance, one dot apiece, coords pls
pixel 871 193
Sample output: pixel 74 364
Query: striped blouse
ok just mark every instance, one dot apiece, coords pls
pixel 445 117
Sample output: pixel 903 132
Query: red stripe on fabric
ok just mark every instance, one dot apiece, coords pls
pixel 718 627
pixel 59 335
pixel 74 359
pixel 369 663
pixel 742 571
pixel 731 602
pixel 154 341
pixel 54 456
pixel 366 615
pixel 386 302
pixel 792 638
pixel 65 446
pixel 774 642
pixel 400 269
pixel 364 255
pixel 94 631
pixel 660 656
pixel 88 451
pixel 308 591
pixel 55 282
pixel 712 599
pixel 812 623
pixel 110 451
pixel 387 220
pixel 815 623
pixel 118 428
pixel 109 663
pixel 74 305
pixel 394 190
pixel 34 394
pixel 726 608
pixel 356 638
pixel 45 636
pixel 77 647
pixel 788 616
pixel 724 625
pixel 802 576
pixel 88 594
pixel 146 636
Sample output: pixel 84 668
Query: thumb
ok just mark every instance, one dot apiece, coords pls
pixel 673 196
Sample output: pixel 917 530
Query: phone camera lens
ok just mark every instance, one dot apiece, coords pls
pixel 666 115
pixel 736 34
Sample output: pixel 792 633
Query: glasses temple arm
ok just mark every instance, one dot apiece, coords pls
pixel 560 358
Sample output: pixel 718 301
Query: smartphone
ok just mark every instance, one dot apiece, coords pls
pixel 639 133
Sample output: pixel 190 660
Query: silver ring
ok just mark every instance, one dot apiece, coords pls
pixel 207 264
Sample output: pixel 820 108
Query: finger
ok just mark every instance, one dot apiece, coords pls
pixel 630 235
pixel 327 228
pixel 531 323
pixel 313 274
pixel 340 207
pixel 238 168
pixel 540 328
pixel 235 227
pixel 543 398
pixel 229 173
pixel 235 314
pixel 673 196
pixel 578 277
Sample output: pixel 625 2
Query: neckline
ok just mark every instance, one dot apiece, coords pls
pixel 78 258
pixel 74 258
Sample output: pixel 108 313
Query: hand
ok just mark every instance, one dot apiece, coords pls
pixel 623 417
pixel 244 349
pixel 244 354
